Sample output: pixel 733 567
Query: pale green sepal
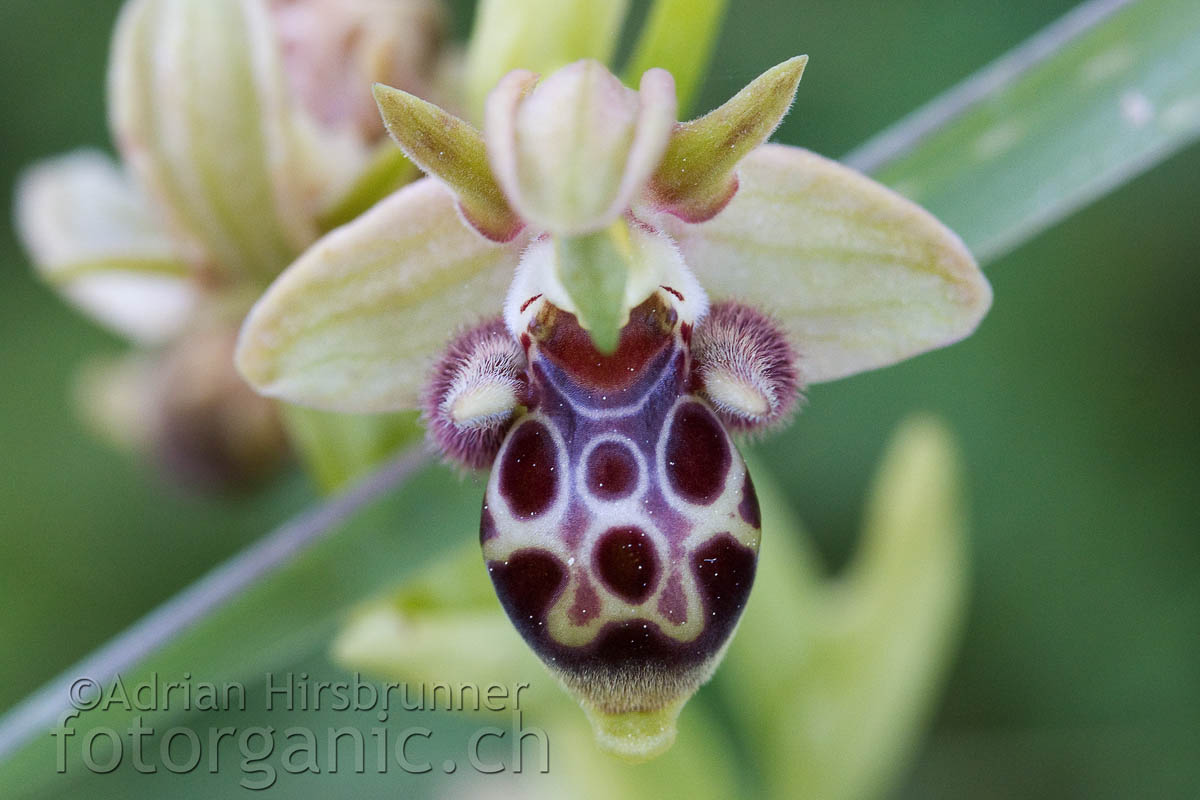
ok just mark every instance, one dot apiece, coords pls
pixel 859 276
pixel 338 449
pixel 679 36
pixel 355 324
pixel 537 35
pixel 697 176
pixel 452 151
pixel 200 109
pixel 864 653
pixel 93 237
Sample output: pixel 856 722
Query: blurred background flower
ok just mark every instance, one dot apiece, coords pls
pixel 245 129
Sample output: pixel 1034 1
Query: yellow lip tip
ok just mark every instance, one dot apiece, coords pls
pixel 635 736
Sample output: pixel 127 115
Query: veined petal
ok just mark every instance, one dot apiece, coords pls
pixel 355 323
pixel 537 35
pixel 572 154
pixel 858 275
pixel 201 111
pixel 696 177
pixel 93 237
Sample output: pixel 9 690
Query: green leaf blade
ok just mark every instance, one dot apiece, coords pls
pixel 1102 107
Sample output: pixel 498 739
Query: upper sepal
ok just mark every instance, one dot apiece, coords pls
pixel 574 151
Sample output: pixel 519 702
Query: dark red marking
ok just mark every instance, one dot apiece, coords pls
pixel 487 525
pixel 637 651
pixel 525 305
pixel 697 453
pixel 748 508
pixel 724 569
pixel 527 584
pixel 624 559
pixel 672 291
pixel 612 471
pixel 647 334
pixel 528 474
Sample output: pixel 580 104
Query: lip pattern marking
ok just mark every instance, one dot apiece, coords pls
pixel 641 574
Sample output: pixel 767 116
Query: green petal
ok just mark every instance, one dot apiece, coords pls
pixel 200 109
pixel 859 276
pixel 695 178
pixel 94 238
pixel 355 323
pixel 537 35
pixel 452 151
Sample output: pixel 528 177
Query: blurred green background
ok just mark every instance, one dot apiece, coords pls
pixel 1075 405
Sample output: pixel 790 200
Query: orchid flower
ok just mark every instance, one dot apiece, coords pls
pixel 611 293
pixel 243 127
pixel 828 682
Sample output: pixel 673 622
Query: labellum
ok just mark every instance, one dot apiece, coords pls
pixel 620 525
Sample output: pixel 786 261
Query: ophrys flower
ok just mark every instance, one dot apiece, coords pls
pixel 664 283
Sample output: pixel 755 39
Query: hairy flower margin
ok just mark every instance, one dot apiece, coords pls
pixel 587 199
